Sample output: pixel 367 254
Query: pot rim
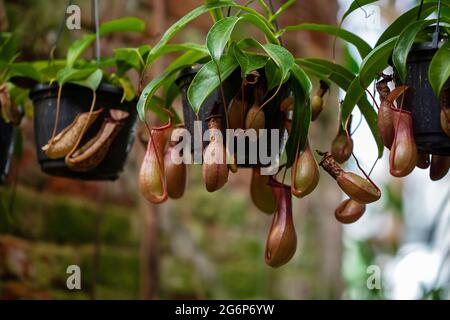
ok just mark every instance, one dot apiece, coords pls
pixel 427 46
pixel 105 87
pixel 188 71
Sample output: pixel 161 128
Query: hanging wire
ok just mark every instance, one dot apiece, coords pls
pixel 58 35
pixel 277 26
pixel 420 10
pixel 97 31
pixel 437 31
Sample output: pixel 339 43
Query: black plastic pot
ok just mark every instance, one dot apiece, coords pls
pixel 423 103
pixel 6 148
pixel 74 100
pixel 231 86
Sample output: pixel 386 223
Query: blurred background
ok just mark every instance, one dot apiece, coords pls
pixel 212 245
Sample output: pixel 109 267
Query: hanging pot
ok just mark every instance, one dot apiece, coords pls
pixel 272 113
pixel 6 148
pixel 74 101
pixel 421 101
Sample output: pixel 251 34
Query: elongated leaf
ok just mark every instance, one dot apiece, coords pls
pixel 126 24
pixel 402 22
pixel 71 75
pixel 357 4
pixel 129 24
pixel 357 93
pixel 123 82
pixel 404 43
pixel 24 69
pixel 184 61
pixel 219 35
pixel 254 17
pixel 172 48
pixel 327 70
pixel 188 58
pixel 349 60
pixel 78 47
pixel 92 82
pixel 130 56
pixel 439 71
pixel 280 55
pixel 300 121
pixel 151 88
pixel 248 62
pixel 207 80
pixel 180 24
pixel 346 80
pixel 8 47
pixel 273 75
pixel 282 9
pixel 334 67
pixel 376 62
pixel 258 21
pixel 302 78
pixel 362 46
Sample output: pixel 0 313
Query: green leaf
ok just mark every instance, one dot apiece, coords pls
pixel 258 21
pixel 130 56
pixel 170 93
pixel 216 14
pixel 346 80
pixel 126 24
pixel 404 43
pixel 151 88
pixel 207 80
pixel 349 60
pixel 70 75
pixel 25 69
pixel 180 24
pixel 301 119
pixel 124 83
pixel 363 47
pixel 439 70
pixel 273 75
pixel 8 47
pixel 248 62
pixel 402 22
pixel 356 92
pixel 168 77
pixel 171 48
pixel 219 35
pixel 282 58
pixel 92 81
pixel 78 47
pixel 129 24
pixel 253 17
pixel 327 70
pixel 357 4
pixel 282 9
pixel 280 55
pixel 188 58
pixel 376 62
pixel 302 78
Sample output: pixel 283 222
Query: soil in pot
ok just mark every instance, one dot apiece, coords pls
pixel 274 117
pixel 421 101
pixel 75 100
pixel 6 148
